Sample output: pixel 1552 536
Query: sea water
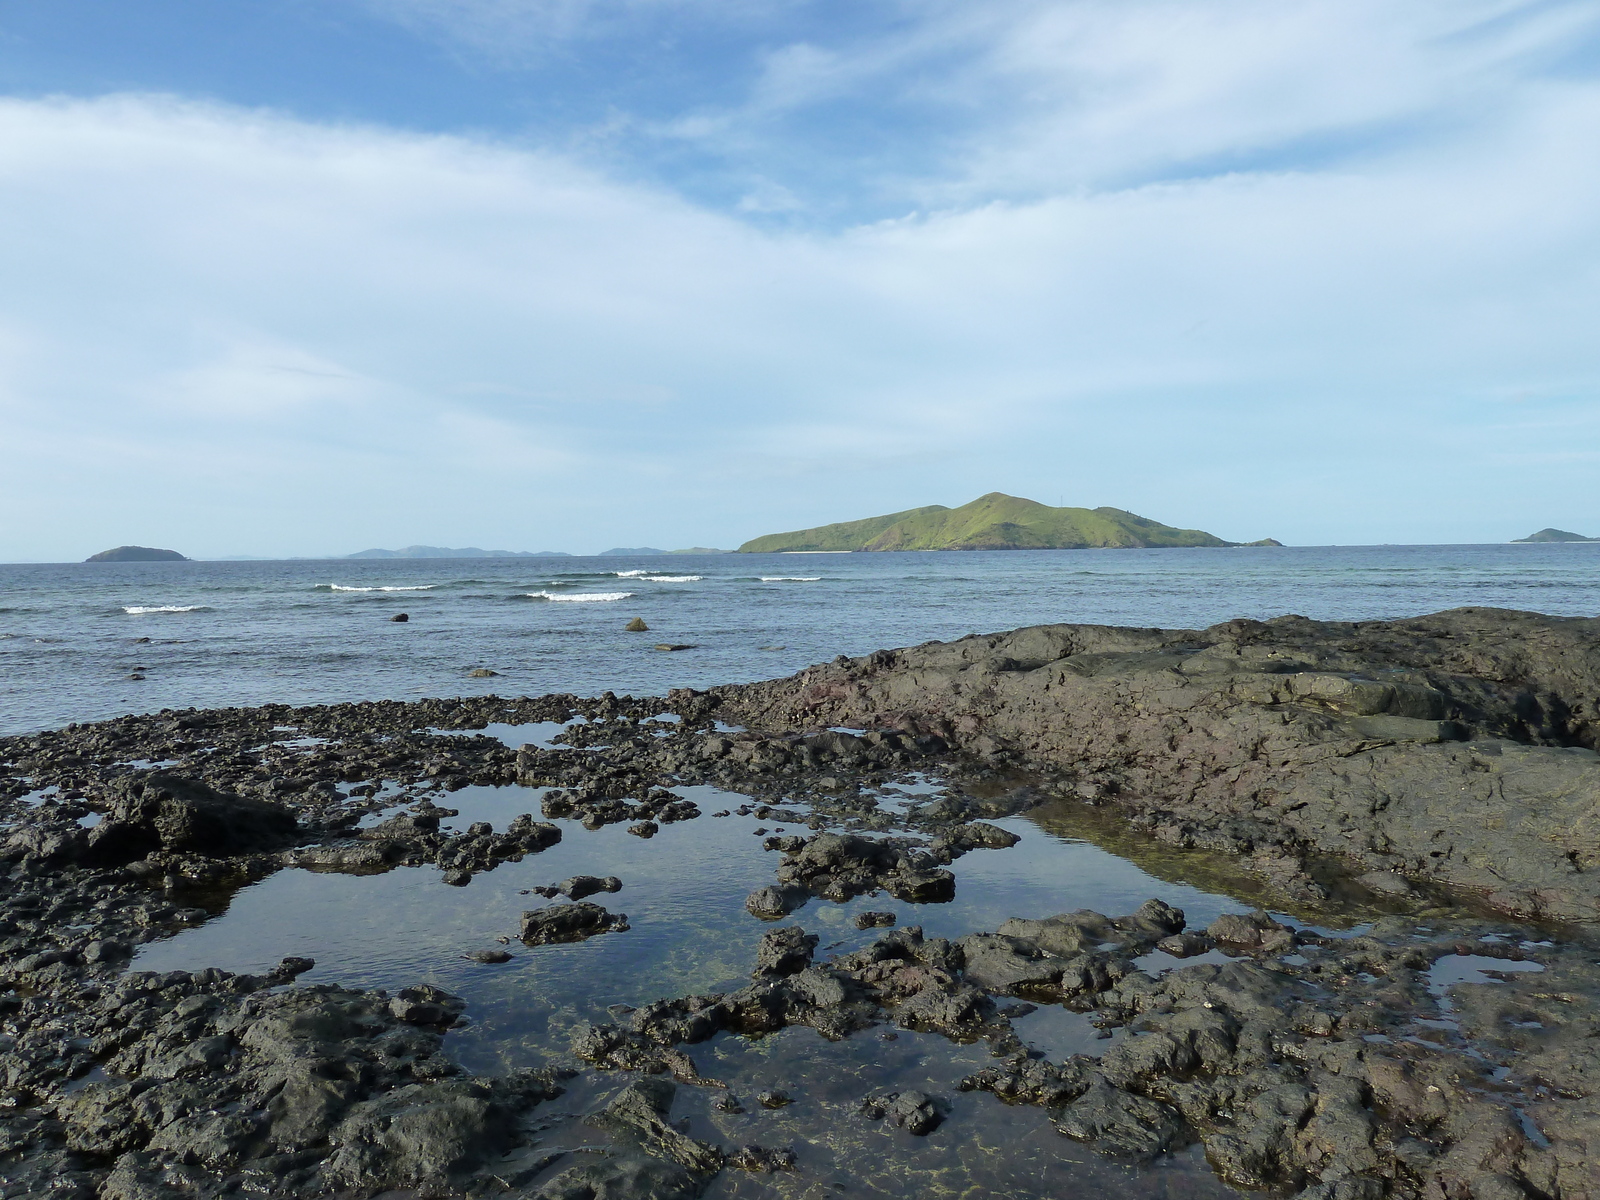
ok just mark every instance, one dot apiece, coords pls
pixel 74 637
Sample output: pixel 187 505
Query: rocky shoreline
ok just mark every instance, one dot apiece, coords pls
pixel 1437 775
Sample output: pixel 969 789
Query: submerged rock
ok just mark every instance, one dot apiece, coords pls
pixel 916 1112
pixel 622 1177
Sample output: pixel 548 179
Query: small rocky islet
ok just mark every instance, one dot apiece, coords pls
pixel 1414 1011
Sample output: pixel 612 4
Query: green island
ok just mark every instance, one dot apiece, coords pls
pixel 1554 535
pixel 993 522
pixel 136 554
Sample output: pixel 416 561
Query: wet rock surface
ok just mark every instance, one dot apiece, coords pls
pixel 1442 771
pixel 569 923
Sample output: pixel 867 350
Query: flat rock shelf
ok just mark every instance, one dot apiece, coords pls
pixel 1293 907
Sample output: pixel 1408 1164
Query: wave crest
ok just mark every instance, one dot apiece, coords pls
pixel 421 587
pixel 791 578
pixel 578 597
pixel 137 609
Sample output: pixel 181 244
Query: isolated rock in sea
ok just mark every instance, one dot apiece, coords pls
pixel 916 1112
pixel 580 886
pixel 569 923
pixel 637 625
pixel 401 617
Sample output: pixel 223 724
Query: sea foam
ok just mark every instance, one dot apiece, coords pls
pixel 578 596
pixel 422 587
pixel 136 609
pixel 791 578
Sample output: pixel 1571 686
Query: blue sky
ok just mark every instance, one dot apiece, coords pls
pixel 303 277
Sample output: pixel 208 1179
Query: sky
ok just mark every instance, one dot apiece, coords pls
pixel 302 277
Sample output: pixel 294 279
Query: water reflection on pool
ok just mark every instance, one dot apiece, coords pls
pixel 684 891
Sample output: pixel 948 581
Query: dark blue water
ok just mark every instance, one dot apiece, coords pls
pixel 250 633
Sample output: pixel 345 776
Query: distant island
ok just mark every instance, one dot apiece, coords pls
pixel 637 551
pixel 463 552
pixel 136 554
pixel 1554 535
pixel 992 522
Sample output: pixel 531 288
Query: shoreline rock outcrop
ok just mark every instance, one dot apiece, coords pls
pixel 1458 747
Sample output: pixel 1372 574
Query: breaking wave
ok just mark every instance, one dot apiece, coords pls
pixel 421 587
pixel 791 578
pixel 137 609
pixel 578 597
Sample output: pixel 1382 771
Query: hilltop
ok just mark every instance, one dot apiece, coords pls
pixel 1555 535
pixel 993 522
pixel 137 554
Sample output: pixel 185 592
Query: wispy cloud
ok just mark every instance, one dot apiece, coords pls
pixel 933 104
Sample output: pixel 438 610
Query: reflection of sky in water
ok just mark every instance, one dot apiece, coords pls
pixel 533 733
pixel 683 891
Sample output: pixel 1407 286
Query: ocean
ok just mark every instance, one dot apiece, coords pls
pixel 87 641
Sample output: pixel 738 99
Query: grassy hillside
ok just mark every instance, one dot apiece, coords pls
pixel 846 535
pixel 992 522
pixel 1001 522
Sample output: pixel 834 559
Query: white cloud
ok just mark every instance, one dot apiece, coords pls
pixel 289 337
pixel 936 103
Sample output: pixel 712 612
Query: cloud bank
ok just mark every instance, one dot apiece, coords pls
pixel 1326 272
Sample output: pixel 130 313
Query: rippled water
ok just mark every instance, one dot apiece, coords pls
pixel 215 634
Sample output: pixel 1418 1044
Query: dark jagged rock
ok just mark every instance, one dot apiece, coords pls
pixel 775 903
pixel 916 1112
pixel 784 951
pixel 874 920
pixel 569 923
pixel 638 1114
pixel 162 812
pixel 580 886
pixel 1458 747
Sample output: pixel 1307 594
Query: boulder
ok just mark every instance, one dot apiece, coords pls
pixel 569 923
pixel 784 951
pixel 169 812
